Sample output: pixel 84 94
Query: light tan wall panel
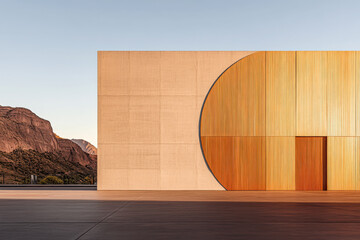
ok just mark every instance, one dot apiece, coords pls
pixel 113 179
pixel 341 93
pixel 144 73
pixel 144 179
pixel 173 179
pixel 311 93
pixel 114 69
pixel 113 119
pixel 178 73
pixel 132 130
pixel 179 170
pixel 175 156
pixel 280 94
pixel 144 119
pixel 179 119
pixel 236 104
pixel 280 163
pixel 144 156
pixel 211 64
pixel 116 155
pixel 341 163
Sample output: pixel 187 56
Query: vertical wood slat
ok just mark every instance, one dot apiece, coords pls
pixel 236 103
pixel 311 93
pixel 341 93
pixel 357 93
pixel 237 162
pixel 310 162
pixel 357 163
pixel 280 163
pixel 341 163
pixel 326 96
pixel 280 93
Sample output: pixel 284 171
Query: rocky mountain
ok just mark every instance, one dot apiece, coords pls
pixel 86 146
pixel 24 135
pixel 21 128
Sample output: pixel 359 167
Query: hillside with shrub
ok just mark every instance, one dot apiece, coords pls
pixel 28 146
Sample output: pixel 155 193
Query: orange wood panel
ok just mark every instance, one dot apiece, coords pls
pixel 238 163
pixel 280 93
pixel 341 162
pixel 310 163
pixel 341 93
pixel 235 106
pixel 311 93
pixel 357 93
pixel 280 163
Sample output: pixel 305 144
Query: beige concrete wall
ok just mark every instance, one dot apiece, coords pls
pixel 149 106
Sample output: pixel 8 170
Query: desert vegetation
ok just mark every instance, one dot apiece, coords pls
pixel 16 167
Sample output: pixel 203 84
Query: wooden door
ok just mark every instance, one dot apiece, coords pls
pixel 310 161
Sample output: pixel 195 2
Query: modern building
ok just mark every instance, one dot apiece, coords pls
pixel 229 120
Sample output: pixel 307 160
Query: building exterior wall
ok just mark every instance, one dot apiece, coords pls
pixel 149 106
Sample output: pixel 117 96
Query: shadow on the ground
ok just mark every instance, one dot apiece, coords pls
pixel 89 219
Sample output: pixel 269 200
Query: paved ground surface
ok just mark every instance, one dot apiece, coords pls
pixel 178 215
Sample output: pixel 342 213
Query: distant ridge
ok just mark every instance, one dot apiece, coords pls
pixel 28 145
pixel 86 146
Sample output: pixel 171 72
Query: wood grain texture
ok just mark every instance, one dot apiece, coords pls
pixel 341 93
pixel 311 93
pixel 280 94
pixel 236 104
pixel 280 163
pixel 357 163
pixel 211 64
pixel 310 162
pixel 341 163
pixel 357 93
pixel 140 92
pixel 237 162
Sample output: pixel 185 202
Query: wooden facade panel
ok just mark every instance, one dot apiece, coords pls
pixel 280 163
pixel 143 107
pixel 311 93
pixel 280 94
pixel 341 93
pixel 237 162
pixel 310 163
pixel 357 93
pixel 357 163
pixel 341 163
pixel 236 104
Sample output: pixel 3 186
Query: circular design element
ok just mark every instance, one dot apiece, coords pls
pixel 232 125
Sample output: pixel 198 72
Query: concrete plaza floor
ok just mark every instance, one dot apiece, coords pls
pixel 61 214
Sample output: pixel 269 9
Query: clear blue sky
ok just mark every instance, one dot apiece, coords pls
pixel 48 48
